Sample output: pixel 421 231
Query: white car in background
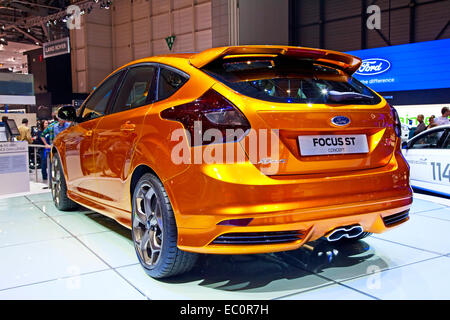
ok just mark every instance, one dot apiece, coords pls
pixel 428 155
pixel 405 132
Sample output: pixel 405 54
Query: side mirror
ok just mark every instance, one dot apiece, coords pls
pixel 404 145
pixel 68 113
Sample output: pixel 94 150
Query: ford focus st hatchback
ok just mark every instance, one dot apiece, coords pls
pixel 234 150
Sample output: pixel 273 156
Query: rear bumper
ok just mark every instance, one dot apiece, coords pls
pixel 205 195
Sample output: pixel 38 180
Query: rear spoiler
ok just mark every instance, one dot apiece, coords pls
pixel 343 61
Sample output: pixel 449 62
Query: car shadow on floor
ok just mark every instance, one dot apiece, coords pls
pixel 109 223
pixel 280 271
pixel 283 270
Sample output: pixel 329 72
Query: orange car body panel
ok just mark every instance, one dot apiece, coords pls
pixel 314 194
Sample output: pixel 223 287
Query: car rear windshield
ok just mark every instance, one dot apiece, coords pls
pixel 289 80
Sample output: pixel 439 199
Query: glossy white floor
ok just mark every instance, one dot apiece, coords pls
pixel 48 254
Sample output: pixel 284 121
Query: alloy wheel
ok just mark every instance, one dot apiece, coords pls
pixel 148 225
pixel 56 180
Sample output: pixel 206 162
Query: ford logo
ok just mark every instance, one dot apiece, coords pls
pixel 340 121
pixel 373 66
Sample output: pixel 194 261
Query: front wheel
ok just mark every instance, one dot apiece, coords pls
pixel 59 187
pixel 154 231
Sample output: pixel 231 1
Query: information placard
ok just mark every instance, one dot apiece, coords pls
pixel 14 174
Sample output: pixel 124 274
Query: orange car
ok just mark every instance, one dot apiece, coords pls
pixel 234 150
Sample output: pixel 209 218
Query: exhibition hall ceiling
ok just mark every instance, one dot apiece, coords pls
pixel 12 57
pixel 25 21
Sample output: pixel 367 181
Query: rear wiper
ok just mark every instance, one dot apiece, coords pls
pixel 338 96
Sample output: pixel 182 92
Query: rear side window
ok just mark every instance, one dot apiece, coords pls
pixel 169 82
pixel 136 89
pixel 289 80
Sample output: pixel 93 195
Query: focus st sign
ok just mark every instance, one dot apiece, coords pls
pixel 335 144
pixel 56 48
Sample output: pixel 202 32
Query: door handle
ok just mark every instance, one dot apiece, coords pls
pixel 127 127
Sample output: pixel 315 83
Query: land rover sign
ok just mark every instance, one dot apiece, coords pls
pixel 56 48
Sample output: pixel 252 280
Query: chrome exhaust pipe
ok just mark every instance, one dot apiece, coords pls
pixel 344 232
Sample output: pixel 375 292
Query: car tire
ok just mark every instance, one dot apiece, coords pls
pixel 154 231
pixel 59 187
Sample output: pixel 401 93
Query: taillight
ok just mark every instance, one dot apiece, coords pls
pixel 397 123
pixel 210 111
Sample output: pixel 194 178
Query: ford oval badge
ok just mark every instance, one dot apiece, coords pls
pixel 340 121
pixel 373 66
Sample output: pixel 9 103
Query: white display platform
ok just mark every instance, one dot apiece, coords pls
pixel 14 176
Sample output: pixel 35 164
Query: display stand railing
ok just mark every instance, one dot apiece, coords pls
pixel 37 148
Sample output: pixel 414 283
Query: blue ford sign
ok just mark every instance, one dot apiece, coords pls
pixel 415 66
pixel 340 121
pixel 371 67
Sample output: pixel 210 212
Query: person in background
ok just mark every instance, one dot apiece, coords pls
pixel 421 126
pixel 444 118
pixel 54 117
pixel 25 132
pixel 43 140
pixel 431 123
pixel 55 128
pixel 410 129
pixel 60 127
pixel 5 120
pixel 49 132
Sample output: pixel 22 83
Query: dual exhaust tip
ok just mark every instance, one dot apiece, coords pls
pixel 344 232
